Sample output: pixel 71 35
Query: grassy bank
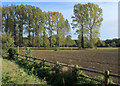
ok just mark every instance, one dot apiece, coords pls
pixel 53 75
pixel 12 74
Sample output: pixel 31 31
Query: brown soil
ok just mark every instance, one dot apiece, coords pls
pixel 98 60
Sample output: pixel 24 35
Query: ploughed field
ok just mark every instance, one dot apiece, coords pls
pixel 99 60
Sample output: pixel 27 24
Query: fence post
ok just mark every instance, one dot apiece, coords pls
pixel 43 62
pixel 57 67
pixel 75 72
pixel 24 51
pixel 18 49
pixel 107 78
pixel 34 59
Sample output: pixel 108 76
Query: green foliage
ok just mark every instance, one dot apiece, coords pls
pixel 91 45
pixel 12 74
pixel 43 72
pixel 111 81
pixel 53 74
pixel 69 41
pixel 36 24
pixel 47 43
pixel 12 52
pixel 6 79
pixel 61 79
pixel 28 52
pixel 113 44
pixel 103 44
pixel 56 68
pixel 53 41
pixel 7 42
pixel 87 18
pixel 79 42
pixel 108 45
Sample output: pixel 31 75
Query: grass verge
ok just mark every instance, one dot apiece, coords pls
pixel 12 74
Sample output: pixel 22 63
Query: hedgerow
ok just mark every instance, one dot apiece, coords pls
pixel 53 74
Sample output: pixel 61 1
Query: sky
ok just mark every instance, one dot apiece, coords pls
pixel 109 27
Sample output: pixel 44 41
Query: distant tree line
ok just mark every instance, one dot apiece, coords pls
pixel 30 26
pixel 109 43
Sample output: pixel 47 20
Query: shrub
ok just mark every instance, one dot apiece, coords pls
pixel 90 45
pixel 56 68
pixel 43 72
pixel 12 52
pixel 7 42
pixel 28 52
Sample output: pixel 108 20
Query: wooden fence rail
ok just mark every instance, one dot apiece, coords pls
pixel 106 74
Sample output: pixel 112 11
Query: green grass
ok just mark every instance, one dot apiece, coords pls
pixel 76 48
pixel 90 49
pixel 52 48
pixel 12 74
pixel 104 49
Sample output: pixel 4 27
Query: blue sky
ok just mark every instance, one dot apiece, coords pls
pixel 109 27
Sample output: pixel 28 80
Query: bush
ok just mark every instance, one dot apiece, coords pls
pixel 7 42
pixel 90 45
pixel 28 52
pixel 12 52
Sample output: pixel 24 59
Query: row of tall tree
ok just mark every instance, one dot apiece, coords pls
pixel 21 20
pixel 51 28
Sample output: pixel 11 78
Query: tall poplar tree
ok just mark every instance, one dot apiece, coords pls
pixel 44 24
pixel 87 19
pixel 51 20
pixel 95 18
pixel 80 21
pixel 38 24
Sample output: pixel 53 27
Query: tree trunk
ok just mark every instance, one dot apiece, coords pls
pixel 50 38
pixel 15 39
pixel 29 34
pixel 33 39
pixel 57 38
pixel 20 34
pixel 82 39
pixel 91 42
pixel 43 38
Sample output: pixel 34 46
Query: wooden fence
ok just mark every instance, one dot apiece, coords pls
pixel 106 74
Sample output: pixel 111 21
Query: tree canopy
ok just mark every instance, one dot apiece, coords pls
pixel 87 19
pixel 20 20
pixel 30 26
